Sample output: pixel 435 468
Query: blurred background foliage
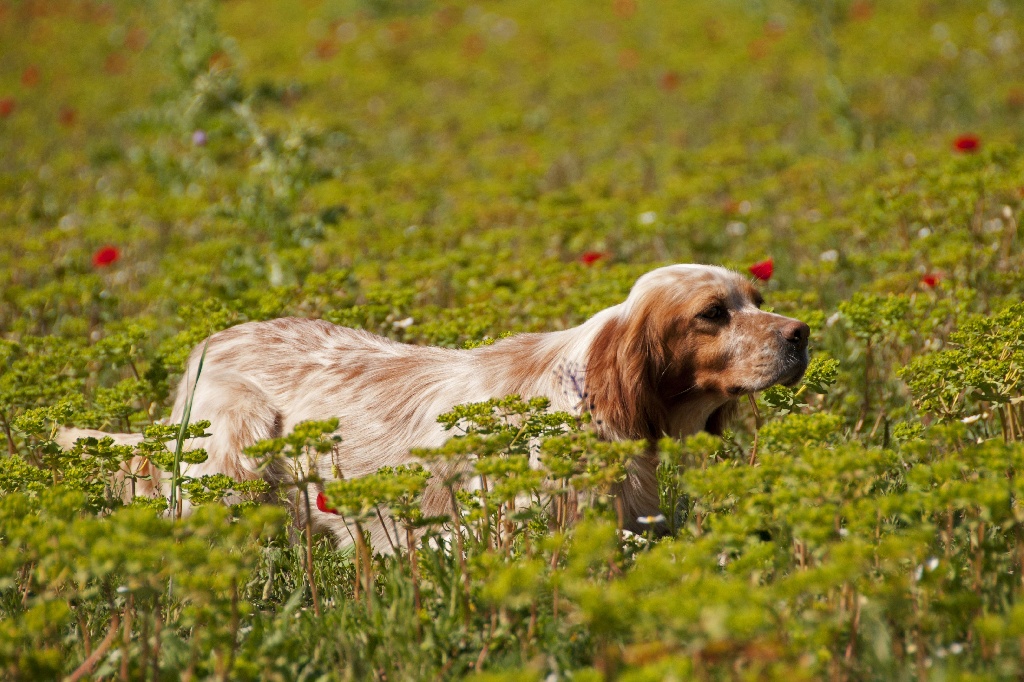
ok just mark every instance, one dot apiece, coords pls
pixel 464 153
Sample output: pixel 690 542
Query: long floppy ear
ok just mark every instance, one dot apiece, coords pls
pixel 719 420
pixel 624 364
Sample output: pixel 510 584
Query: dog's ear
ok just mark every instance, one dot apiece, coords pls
pixel 719 420
pixel 624 363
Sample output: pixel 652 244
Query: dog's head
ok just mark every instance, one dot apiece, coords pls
pixel 686 343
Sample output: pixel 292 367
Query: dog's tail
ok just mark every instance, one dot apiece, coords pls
pixel 67 436
pixel 137 476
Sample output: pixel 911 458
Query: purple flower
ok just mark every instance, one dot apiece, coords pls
pixel 199 138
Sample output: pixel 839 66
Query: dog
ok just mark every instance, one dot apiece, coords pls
pixel 672 359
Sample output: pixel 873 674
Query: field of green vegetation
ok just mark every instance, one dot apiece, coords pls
pixel 449 172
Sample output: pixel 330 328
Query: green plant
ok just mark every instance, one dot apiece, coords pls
pixel 449 174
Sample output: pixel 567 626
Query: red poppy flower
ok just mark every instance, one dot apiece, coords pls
pixel 473 46
pixel 321 504
pixel 67 116
pixel 932 279
pixel 591 257
pixel 115 63
pixel 861 10
pixel 107 255
pixel 624 9
pixel 135 39
pixel 219 61
pixel 6 106
pixel 1015 98
pixel 763 270
pixel 774 29
pixel 629 59
pixel 967 144
pixel 30 76
pixel 758 48
pixel 669 81
pixel 326 48
pixel 400 31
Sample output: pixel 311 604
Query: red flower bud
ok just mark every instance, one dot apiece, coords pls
pixel 591 257
pixel 967 144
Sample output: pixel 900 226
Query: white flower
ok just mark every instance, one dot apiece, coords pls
pixel 993 225
pixel 402 324
pixel 648 520
pixel 1004 42
pixel 504 29
pixel 924 232
pixel 71 221
pixel 932 564
pixel 830 256
pixel 735 228
pixel 276 275
pixel 346 32
pixel 647 217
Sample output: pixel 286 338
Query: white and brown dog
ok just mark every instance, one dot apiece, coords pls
pixel 670 360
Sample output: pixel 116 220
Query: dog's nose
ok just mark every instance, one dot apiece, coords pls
pixel 797 333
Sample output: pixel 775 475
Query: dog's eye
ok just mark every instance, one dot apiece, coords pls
pixel 715 312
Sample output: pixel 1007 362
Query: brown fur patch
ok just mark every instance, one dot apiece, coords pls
pixel 623 367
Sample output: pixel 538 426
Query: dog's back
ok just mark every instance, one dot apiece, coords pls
pixel 258 380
